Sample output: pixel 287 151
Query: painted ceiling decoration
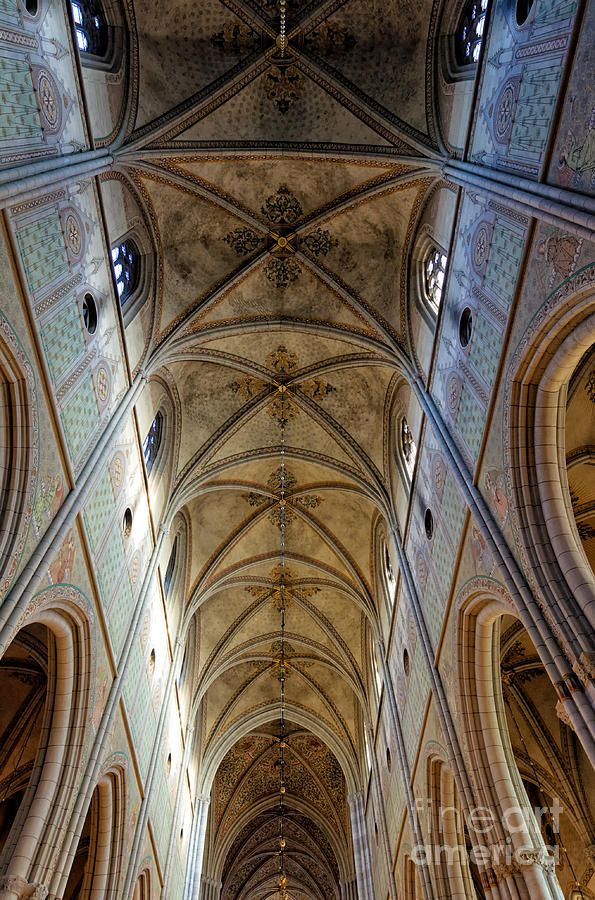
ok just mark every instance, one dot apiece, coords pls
pixel 284 191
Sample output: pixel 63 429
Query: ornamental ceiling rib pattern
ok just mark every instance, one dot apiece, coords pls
pixel 282 192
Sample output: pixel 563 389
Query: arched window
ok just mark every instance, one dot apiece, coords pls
pixel 434 272
pixel 388 566
pixel 407 445
pixel 469 34
pixel 169 572
pixel 90 27
pixel 152 442
pixel 126 263
pixel 181 675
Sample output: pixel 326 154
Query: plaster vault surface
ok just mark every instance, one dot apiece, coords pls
pixel 282 321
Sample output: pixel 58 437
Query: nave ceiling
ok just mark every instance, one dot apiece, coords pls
pixel 282 193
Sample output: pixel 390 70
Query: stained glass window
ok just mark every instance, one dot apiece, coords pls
pixel 126 266
pixel 152 442
pixel 406 440
pixel 169 572
pixel 469 34
pixel 90 27
pixel 434 271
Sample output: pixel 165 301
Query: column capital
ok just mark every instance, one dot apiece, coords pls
pixel 355 797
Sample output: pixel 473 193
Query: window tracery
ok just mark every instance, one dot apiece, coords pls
pixel 469 34
pixel 90 27
pixel 407 445
pixel 126 263
pixel 434 272
pixel 152 442
pixel 169 572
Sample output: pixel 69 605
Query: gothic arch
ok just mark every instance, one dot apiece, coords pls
pixel 253 719
pixel 19 452
pixel 97 870
pixel 446 830
pixel 38 828
pixel 535 406
pixel 498 785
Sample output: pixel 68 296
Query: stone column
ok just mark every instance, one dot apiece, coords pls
pixel 558 668
pixel 564 209
pixel 210 888
pixel 27 583
pixel 175 819
pixel 192 884
pixel 403 762
pixel 20 183
pixel 349 889
pixel 381 815
pixel 361 849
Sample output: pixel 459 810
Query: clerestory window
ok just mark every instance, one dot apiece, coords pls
pixel 434 272
pixel 152 442
pixel 126 262
pixel 90 27
pixel 469 34
pixel 169 572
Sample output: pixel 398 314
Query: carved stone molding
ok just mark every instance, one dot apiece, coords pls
pixel 562 714
pixel 22 889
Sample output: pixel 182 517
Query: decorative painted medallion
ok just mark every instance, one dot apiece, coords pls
pixel 319 242
pixel 452 393
pixel 282 272
pixel 102 384
pixel 73 234
pixel 242 240
pixel 481 245
pixel 282 208
pixel 283 86
pixel 504 111
pixel 48 99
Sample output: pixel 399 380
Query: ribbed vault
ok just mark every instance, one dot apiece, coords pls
pixel 282 192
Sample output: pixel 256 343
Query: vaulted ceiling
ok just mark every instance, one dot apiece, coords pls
pixel 282 191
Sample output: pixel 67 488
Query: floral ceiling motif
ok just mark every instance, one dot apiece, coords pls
pixel 283 86
pixel 282 272
pixel 282 208
pixel 283 510
pixel 281 407
pixel 319 242
pixel 242 240
pixel 283 661
pixel 236 39
pixel 291 589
